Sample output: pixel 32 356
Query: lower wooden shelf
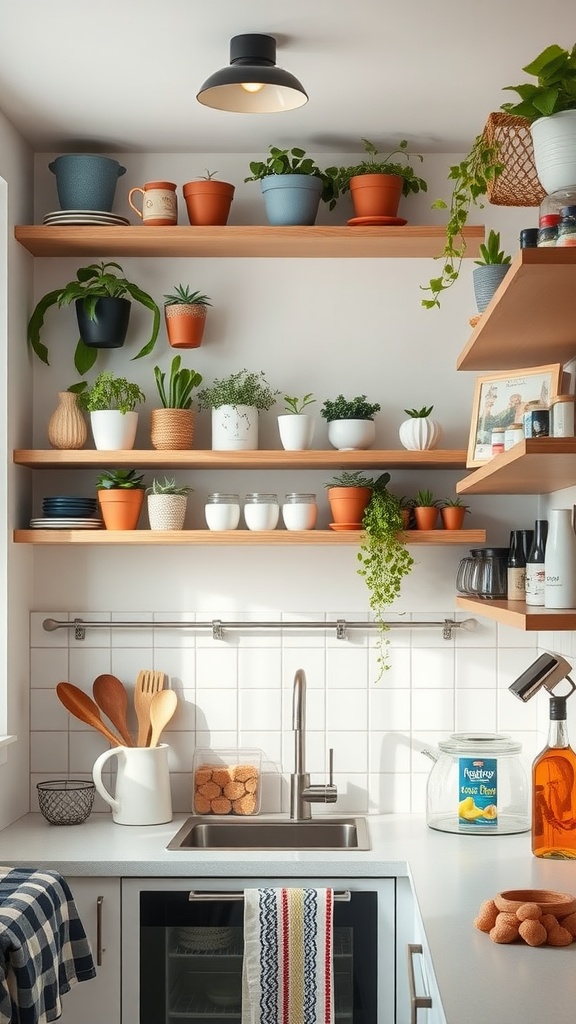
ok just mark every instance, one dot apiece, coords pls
pixel 519 615
pixel 235 537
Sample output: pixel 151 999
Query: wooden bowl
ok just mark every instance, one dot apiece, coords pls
pixel 558 903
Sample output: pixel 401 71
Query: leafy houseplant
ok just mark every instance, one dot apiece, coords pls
pixel 295 426
pixel 341 408
pixel 182 382
pixel 172 426
pixel 120 496
pixel 293 161
pixel 350 422
pixel 297 405
pixel 292 186
pixel 92 291
pixel 235 402
pixel 419 432
pixel 490 270
pixel 185 317
pixel 402 168
pixel 167 502
pixel 555 91
pixel 348 495
pixel 111 402
pixel 120 479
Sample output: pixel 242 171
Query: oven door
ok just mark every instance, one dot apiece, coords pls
pixel 183 948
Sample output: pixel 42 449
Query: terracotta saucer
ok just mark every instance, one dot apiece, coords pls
pixel 389 221
pixel 345 526
pixel 558 903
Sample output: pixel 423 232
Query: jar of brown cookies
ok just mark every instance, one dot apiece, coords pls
pixel 226 781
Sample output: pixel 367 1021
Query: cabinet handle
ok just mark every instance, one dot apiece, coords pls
pixel 416 1002
pixel 99 947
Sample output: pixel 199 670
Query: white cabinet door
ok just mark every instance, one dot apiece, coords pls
pixel 418 998
pixel 97 1000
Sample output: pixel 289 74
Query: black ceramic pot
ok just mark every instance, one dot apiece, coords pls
pixel 110 326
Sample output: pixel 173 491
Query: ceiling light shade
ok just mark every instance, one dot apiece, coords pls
pixel 252 84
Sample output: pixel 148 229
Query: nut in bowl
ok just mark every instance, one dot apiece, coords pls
pixel 227 782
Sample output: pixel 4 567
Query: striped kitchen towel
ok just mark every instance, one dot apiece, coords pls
pixel 43 945
pixel 287 970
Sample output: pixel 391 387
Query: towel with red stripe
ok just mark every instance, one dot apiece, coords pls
pixel 287 970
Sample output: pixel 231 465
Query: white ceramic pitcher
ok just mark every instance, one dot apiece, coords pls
pixel 142 793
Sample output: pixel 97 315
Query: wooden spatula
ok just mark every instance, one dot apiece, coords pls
pixel 83 707
pixel 147 684
pixel 162 707
pixel 111 697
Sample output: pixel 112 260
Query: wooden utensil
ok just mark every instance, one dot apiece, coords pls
pixel 162 707
pixel 147 684
pixel 82 706
pixel 111 697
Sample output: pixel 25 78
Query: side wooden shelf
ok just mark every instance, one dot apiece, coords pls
pixel 236 537
pixel 250 240
pixel 519 615
pixel 533 466
pixel 530 320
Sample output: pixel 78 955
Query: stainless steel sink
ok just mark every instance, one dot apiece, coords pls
pixel 318 834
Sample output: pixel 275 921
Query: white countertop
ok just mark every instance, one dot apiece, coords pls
pixel 479 980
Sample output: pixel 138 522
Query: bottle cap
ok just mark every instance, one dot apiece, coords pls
pixel 528 238
pixel 557 709
pixel 549 220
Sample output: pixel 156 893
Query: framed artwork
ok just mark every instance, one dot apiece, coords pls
pixel 500 399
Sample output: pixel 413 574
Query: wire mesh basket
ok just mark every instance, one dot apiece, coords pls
pixel 65 801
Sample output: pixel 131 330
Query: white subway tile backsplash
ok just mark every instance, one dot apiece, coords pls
pixel 476 711
pixel 48 666
pixel 347 709
pixel 476 668
pixel 49 752
pixel 46 711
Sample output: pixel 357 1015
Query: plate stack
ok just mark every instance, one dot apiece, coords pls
pixel 68 512
pixel 92 217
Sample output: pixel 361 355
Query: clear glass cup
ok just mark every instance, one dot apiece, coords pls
pixel 222 511
pixel 261 511
pixel 299 511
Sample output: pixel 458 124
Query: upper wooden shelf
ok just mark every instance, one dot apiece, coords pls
pixel 533 466
pixel 519 615
pixel 249 240
pixel 236 537
pixel 195 459
pixel 530 320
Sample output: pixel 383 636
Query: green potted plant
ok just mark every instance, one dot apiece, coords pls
pixel 166 502
pixel 172 426
pixel 292 186
pixel 426 508
pixel 235 402
pixel 419 432
pixel 350 421
pixel 120 496
pixel 208 201
pixel 490 270
pixel 111 402
pixel 377 182
pixel 348 495
pixel 383 556
pixel 102 311
pixel 452 512
pixel 185 316
pixel 295 426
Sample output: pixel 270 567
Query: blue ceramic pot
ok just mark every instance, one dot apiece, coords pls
pixel 486 279
pixel 291 198
pixel 86 181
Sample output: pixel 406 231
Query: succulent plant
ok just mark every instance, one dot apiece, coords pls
pixel 184 297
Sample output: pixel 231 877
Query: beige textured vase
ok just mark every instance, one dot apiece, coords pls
pixel 67 426
pixel 172 429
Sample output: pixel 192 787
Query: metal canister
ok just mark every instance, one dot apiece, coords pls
pixel 536 420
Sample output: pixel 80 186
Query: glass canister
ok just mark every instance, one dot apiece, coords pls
pixel 478 785
pixel 490 578
pixel 222 511
pixel 299 511
pixel 261 511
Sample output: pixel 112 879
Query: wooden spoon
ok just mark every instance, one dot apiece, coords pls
pixel 147 684
pixel 111 697
pixel 83 707
pixel 162 707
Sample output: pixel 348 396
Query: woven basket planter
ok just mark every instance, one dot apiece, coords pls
pixel 518 184
pixel 167 511
pixel 172 429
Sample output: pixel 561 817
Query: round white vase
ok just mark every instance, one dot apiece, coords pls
pixel 351 435
pixel 419 433
pixel 234 428
pixel 560 560
pixel 113 431
pixel 554 141
pixel 296 431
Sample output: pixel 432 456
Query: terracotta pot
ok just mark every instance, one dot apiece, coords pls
pixel 121 508
pixel 425 517
pixel 348 504
pixel 376 195
pixel 185 324
pixel 453 517
pixel 208 202
pixel 172 429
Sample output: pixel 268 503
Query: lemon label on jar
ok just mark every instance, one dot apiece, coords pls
pixel 478 792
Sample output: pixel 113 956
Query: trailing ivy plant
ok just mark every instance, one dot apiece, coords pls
pixel 383 556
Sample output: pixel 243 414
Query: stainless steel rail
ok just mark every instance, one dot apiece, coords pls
pixel 202 897
pixel 220 627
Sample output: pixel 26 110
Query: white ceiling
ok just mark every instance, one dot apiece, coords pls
pixel 122 75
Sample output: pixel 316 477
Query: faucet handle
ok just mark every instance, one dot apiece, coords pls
pixel 331 766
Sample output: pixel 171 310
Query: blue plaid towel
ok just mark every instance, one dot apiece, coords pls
pixel 43 945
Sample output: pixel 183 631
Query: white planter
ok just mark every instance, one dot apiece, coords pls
pixel 234 428
pixel 419 433
pixel 351 435
pixel 113 431
pixel 167 511
pixel 554 140
pixel 296 431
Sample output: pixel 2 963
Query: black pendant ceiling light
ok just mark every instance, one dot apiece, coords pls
pixel 252 84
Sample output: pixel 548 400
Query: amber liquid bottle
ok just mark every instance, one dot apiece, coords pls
pixel 554 791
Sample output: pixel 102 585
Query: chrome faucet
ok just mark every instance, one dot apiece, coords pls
pixel 302 794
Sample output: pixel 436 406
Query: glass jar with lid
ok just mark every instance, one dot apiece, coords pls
pixel 222 511
pixel 562 416
pixel 567 227
pixel 261 511
pixel 299 511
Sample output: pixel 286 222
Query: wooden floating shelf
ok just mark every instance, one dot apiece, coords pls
pixel 530 320
pixel 235 537
pixel 533 466
pixel 519 615
pixel 248 240
pixel 195 459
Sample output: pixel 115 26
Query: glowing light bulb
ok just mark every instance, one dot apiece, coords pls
pixel 252 86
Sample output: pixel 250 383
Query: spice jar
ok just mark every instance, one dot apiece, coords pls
pixel 548 230
pixel 529 238
pixel 536 420
pixel 261 511
pixel 562 416
pixel 299 511
pixel 512 435
pixel 222 511
pixel 498 440
pixel 567 227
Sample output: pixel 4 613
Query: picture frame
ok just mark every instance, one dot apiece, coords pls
pixel 500 399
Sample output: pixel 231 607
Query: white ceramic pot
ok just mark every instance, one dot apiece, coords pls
pixel 113 431
pixel 296 431
pixel 419 433
pixel 554 141
pixel 234 428
pixel 351 435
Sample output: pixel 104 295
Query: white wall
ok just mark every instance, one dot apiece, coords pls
pixel 327 326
